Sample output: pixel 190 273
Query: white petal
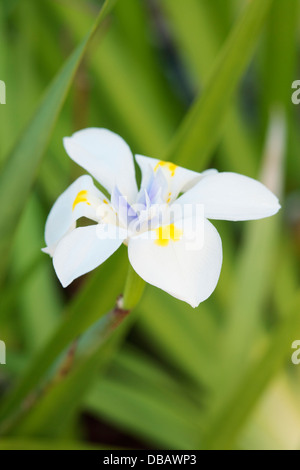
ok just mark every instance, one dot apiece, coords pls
pixel 230 196
pixel 50 249
pixel 179 179
pixel 66 211
pixel 84 249
pixel 106 156
pixel 187 268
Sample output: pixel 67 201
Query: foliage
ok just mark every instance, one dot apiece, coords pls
pixel 198 82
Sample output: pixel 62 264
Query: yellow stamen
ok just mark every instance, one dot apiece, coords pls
pixel 81 197
pixel 168 165
pixel 166 233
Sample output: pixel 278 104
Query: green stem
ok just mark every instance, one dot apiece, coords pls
pixel 133 290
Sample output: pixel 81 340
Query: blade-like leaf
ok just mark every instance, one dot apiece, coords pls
pixel 92 303
pixel 222 432
pixel 47 444
pixel 200 129
pixel 20 169
pixel 63 399
pixel 140 105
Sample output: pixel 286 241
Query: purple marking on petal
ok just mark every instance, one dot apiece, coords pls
pixel 157 186
pixel 125 212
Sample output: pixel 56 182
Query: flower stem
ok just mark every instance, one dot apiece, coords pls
pixel 133 290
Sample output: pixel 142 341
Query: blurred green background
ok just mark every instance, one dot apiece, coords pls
pixel 170 377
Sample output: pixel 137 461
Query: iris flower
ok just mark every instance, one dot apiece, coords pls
pixel 171 243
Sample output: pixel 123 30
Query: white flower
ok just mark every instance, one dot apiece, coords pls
pixel 170 244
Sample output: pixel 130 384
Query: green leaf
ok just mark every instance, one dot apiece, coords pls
pixel 65 397
pixel 47 444
pixel 20 168
pixel 39 294
pixel 200 130
pixel 145 111
pixel 192 25
pixel 141 397
pixel 222 432
pixel 143 415
pixel 181 333
pixel 93 301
